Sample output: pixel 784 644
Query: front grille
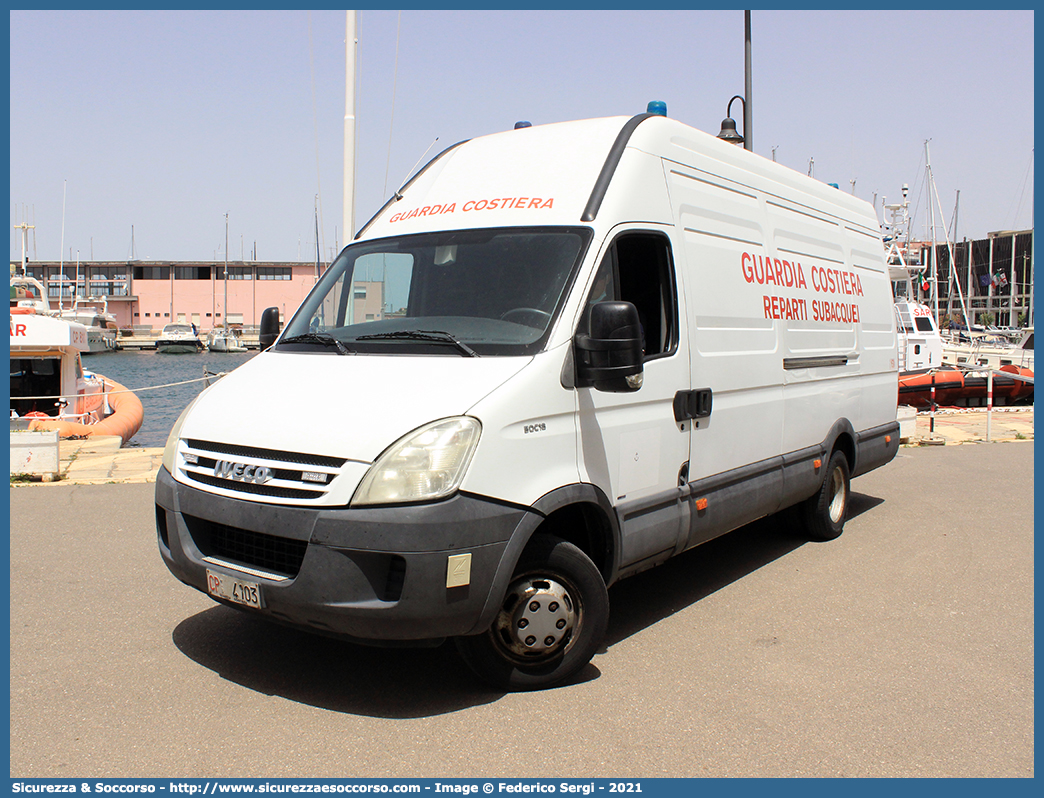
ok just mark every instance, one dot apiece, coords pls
pixel 292 476
pixel 250 487
pixel 265 552
pixel 256 452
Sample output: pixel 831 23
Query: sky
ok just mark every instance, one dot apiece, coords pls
pixel 139 131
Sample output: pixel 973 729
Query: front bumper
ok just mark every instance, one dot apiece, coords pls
pixel 374 574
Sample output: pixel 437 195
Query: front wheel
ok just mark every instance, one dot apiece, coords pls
pixel 824 513
pixel 553 617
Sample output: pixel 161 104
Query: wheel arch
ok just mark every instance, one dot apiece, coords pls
pixel 584 516
pixel 842 437
pixel 580 514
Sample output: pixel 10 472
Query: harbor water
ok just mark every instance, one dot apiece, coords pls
pixel 151 375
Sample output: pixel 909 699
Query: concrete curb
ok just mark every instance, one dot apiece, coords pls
pixel 100 461
pixel 960 426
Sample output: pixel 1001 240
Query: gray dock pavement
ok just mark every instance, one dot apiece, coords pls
pixel 902 649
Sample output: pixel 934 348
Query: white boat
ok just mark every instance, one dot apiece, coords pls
pixel 102 329
pixel 920 344
pixel 919 341
pixel 222 340
pixel 179 339
pixel 28 292
pixel 47 378
pixel 50 389
pixel 988 350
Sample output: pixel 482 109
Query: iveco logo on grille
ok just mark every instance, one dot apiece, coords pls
pixel 242 472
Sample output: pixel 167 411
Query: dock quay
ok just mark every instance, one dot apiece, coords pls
pixel 148 341
pixel 101 460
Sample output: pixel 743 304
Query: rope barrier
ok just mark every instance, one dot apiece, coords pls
pixel 128 390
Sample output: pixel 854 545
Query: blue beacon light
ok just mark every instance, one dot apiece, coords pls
pixel 657 107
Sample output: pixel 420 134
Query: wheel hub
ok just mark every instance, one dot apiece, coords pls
pixel 538 618
pixel 837 500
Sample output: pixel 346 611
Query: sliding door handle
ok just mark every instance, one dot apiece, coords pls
pixel 692 404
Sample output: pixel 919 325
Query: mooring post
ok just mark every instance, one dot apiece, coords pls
pixel 989 404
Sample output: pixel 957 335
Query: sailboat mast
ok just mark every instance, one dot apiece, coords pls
pixel 61 253
pixel 931 220
pixel 318 256
pixel 934 191
pixel 224 309
pixel 351 58
pixel 953 257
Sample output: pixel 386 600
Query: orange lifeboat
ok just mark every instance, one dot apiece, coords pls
pixel 1021 389
pixel 955 388
pixel 125 419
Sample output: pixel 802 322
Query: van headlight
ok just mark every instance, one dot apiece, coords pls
pixel 428 463
pixel 170 451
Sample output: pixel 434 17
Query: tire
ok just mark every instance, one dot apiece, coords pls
pixel 553 617
pixel 823 514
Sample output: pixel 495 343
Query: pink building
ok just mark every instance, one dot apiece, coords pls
pixel 148 295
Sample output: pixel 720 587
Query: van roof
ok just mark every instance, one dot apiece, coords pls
pixel 558 174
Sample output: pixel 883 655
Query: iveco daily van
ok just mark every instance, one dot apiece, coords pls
pixel 558 356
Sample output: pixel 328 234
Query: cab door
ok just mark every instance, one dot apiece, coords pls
pixel 631 445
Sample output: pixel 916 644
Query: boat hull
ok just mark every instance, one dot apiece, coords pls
pixel 221 344
pixel 179 347
pixel 99 340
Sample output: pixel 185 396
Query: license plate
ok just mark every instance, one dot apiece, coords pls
pixel 234 590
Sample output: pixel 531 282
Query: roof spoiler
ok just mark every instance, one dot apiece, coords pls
pixel 609 167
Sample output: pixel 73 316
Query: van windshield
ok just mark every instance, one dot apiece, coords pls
pixel 469 292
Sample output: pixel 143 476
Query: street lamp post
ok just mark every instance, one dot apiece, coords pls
pixel 728 126
pixel 748 133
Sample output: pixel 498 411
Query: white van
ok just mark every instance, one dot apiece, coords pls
pixel 558 356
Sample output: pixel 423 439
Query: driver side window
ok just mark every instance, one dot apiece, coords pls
pixel 638 268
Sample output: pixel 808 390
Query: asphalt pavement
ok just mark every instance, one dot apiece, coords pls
pixel 902 649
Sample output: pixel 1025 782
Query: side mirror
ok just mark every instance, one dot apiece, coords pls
pixel 269 328
pixel 610 358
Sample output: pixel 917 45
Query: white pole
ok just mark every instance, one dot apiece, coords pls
pixel 224 310
pixel 1029 277
pixel 990 275
pixel 1011 286
pixel 61 253
pixel 1033 259
pixel 350 60
pixel 989 406
pixel 967 321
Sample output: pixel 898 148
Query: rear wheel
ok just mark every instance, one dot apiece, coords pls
pixel 824 513
pixel 553 617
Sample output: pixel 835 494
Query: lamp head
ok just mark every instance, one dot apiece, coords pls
pixel 728 131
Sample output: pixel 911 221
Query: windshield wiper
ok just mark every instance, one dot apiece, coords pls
pixel 324 339
pixel 434 336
